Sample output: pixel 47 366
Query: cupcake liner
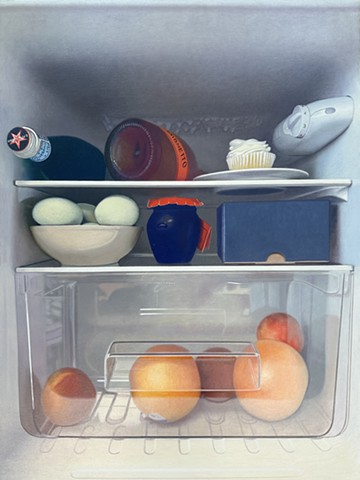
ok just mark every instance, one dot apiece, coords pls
pixel 251 160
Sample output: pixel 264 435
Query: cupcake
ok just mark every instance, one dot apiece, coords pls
pixel 249 154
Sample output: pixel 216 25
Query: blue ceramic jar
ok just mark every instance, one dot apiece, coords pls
pixel 174 229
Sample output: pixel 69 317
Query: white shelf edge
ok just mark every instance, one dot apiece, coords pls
pixel 291 268
pixel 183 184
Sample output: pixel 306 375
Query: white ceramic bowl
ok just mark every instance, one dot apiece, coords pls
pixel 86 245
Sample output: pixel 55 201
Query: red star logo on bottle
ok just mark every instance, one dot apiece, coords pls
pixel 15 138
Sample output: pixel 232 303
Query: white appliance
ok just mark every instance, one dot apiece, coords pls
pixel 309 128
pixel 210 71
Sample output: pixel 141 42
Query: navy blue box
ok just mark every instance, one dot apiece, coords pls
pixel 259 232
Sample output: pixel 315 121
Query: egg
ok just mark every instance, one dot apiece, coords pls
pixel 57 211
pixel 88 212
pixel 117 210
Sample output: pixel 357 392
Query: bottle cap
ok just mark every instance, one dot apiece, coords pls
pixel 23 141
pixel 18 139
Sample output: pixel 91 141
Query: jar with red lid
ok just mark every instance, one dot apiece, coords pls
pixel 140 150
pixel 175 230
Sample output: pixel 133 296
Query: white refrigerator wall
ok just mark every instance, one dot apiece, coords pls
pixel 214 71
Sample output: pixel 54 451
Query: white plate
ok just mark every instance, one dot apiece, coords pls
pixel 255 174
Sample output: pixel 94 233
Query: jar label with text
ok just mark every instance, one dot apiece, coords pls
pixel 182 161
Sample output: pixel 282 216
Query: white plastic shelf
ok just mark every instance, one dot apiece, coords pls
pixel 54 267
pixel 336 189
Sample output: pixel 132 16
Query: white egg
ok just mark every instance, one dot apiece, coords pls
pixel 117 210
pixel 57 211
pixel 88 212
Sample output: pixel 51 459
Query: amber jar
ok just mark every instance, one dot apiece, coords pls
pixel 140 150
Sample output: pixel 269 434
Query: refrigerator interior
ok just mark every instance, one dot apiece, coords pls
pixel 210 72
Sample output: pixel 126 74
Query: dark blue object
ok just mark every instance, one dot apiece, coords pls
pixel 249 232
pixel 72 158
pixel 174 232
pixel 56 158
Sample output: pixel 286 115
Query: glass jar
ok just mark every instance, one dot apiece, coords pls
pixel 139 150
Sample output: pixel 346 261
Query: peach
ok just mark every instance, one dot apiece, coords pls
pixel 216 373
pixel 165 387
pixel 283 327
pixel 283 381
pixel 68 397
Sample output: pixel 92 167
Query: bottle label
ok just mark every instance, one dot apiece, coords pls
pixel 182 161
pixel 44 151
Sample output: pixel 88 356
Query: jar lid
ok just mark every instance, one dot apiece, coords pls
pixel 161 202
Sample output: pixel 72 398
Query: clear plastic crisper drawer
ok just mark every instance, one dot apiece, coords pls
pixel 230 352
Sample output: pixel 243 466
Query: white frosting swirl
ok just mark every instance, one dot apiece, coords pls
pixel 244 147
